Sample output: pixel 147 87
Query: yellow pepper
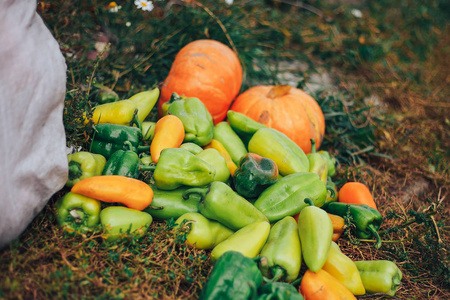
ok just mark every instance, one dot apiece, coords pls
pixel 341 267
pixel 215 144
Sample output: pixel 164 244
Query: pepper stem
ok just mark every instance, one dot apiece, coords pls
pixel 195 191
pixel 309 201
pixel 376 235
pixel 143 167
pixel 75 170
pixel 136 120
pixel 332 191
pixel 313 145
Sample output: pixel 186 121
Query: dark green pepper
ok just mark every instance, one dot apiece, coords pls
pixel 286 197
pixel 170 204
pixel 233 277
pixel 123 162
pixel 108 138
pixel 219 202
pixel 366 219
pixel 244 127
pixel 279 291
pixel 197 121
pixel 317 163
pixel 74 211
pixel 254 175
pixel 177 167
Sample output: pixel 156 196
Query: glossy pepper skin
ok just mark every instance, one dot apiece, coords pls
pixel 213 157
pixel 244 126
pixel 75 211
pixel 366 219
pixel 177 167
pixel 108 138
pixel 315 231
pixel 197 121
pixel 230 140
pixel 281 256
pixel 287 196
pixel 119 221
pixel 233 277
pixel 379 276
pixel 170 204
pixel 317 163
pixel 248 240
pixel 341 267
pixel 219 202
pixel 83 165
pixel 254 175
pixel 124 163
pixel 275 145
pixel 203 233
pixel 278 291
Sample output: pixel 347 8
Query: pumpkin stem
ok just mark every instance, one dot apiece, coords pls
pixel 279 91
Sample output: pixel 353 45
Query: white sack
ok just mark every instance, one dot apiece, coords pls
pixel 33 161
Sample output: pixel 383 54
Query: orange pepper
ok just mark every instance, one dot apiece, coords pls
pixel 215 144
pixel 169 133
pixel 131 192
pixel 321 285
pixel 356 192
pixel 338 226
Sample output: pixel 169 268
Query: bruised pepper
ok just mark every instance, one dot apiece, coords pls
pixel 75 211
pixel 202 232
pixel 366 219
pixel 233 277
pixel 197 121
pixel 177 167
pixel 83 165
pixel 275 145
pixel 287 196
pixel 254 175
pixel 219 202
pixel 281 256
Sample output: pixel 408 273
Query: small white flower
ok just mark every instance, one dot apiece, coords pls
pixel 356 13
pixel 229 2
pixel 128 24
pixel 144 5
pixel 113 7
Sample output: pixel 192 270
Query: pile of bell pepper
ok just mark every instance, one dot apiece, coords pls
pixel 244 192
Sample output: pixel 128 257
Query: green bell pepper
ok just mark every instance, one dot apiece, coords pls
pixel 219 202
pixel 233 277
pixel 286 197
pixel 331 161
pixel 317 163
pixel 170 204
pixel 230 140
pixel 315 230
pixel 379 276
pixel 248 240
pixel 191 147
pixel 366 220
pixel 244 126
pixel 213 157
pixel 74 211
pixel 177 167
pixel 275 145
pixel 119 221
pixel 254 175
pixel 123 162
pixel 83 165
pixel 203 233
pixel 279 291
pixel 281 256
pixel 108 138
pixel 197 121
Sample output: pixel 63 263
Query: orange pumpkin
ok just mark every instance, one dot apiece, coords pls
pixel 287 109
pixel 208 70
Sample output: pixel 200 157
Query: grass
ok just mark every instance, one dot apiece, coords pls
pixel 387 125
